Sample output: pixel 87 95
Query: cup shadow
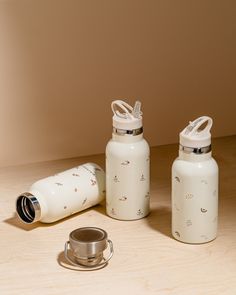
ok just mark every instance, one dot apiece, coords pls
pixel 160 220
pixel 61 260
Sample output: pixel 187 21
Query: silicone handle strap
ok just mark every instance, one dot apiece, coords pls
pixel 75 266
pixel 123 106
pixel 194 127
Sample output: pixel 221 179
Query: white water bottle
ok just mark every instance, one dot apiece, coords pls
pixel 195 185
pixel 63 194
pixel 127 164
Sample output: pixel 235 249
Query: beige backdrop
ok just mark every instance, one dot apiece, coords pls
pixel 62 63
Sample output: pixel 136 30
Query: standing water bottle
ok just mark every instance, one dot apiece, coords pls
pixel 127 164
pixel 195 186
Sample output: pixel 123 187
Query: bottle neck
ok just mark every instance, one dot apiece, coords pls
pixel 192 157
pixel 28 208
pixel 31 207
pixel 127 138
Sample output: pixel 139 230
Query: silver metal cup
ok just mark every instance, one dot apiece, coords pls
pixel 86 246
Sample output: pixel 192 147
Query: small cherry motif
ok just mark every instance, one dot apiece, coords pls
pixel 93 182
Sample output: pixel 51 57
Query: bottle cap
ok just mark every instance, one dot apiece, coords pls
pixel 125 116
pixel 85 248
pixel 197 133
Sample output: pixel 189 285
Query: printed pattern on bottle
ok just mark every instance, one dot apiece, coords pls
pixel 127 193
pixel 76 189
pixel 198 203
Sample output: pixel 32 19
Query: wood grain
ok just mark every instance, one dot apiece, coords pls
pixel 147 259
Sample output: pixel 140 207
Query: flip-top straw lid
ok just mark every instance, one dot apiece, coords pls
pixel 125 116
pixel 197 133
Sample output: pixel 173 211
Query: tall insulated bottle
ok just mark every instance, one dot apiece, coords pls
pixel 127 164
pixel 63 194
pixel 195 185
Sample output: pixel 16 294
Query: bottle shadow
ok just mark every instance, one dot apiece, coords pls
pixel 16 222
pixel 160 220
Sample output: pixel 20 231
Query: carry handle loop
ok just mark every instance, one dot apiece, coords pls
pixel 116 104
pixel 76 266
pixel 194 127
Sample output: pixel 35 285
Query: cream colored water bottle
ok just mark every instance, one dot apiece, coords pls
pixel 127 164
pixel 195 185
pixel 63 194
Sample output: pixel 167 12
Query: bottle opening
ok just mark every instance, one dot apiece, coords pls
pixel 26 208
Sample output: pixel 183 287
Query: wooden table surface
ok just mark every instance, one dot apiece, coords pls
pixel 147 259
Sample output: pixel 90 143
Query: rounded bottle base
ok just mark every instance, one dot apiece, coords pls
pixel 194 242
pixel 127 219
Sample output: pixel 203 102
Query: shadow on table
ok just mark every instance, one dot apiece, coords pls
pixel 160 220
pixel 16 222
pixel 61 260
pixel 101 208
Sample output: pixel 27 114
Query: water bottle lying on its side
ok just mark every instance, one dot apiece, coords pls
pixel 63 194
